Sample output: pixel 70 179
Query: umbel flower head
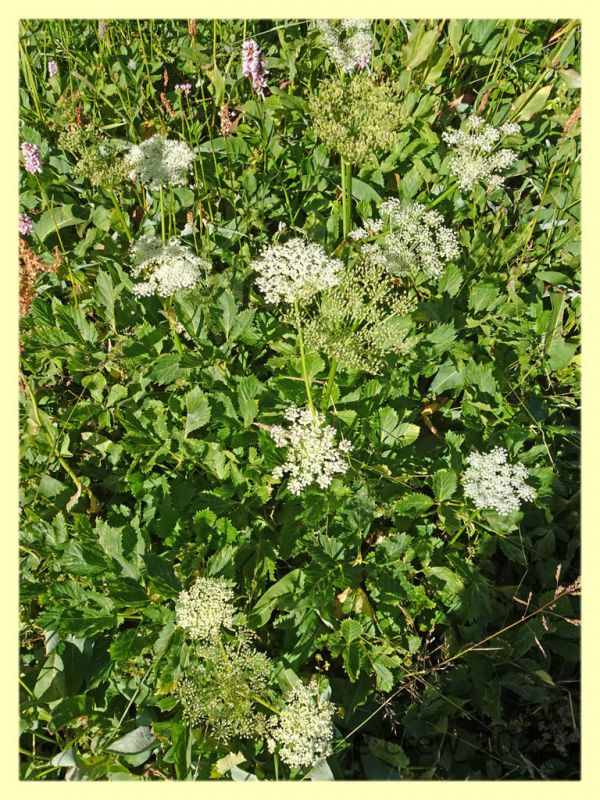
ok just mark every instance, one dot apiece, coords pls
pixel 160 162
pixel 205 608
pixel 357 117
pixel 414 241
pixel 349 42
pixel 219 691
pixel 165 269
pixel 99 159
pixel 312 455
pixel 295 270
pixel 474 158
pixel 253 66
pixel 360 320
pixel 303 731
pixel 491 482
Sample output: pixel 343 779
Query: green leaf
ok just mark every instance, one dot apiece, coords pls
pixel 104 296
pixel 389 752
pixel 198 410
pixel 59 217
pixel 321 772
pixel 451 280
pixel 413 503
pixel 560 354
pixel 350 629
pixel 424 48
pixel 393 432
pixel 268 602
pixel 136 741
pixel 248 389
pixel 483 296
pixel 535 103
pixel 445 482
pixel 448 376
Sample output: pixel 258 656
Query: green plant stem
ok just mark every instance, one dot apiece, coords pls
pixel 442 196
pixel 329 387
pixel 170 316
pixel 162 215
pixel 119 211
pixel 309 397
pixel 346 178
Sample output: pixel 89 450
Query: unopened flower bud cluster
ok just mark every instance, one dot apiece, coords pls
pixel 160 162
pixel 218 693
pixel 414 241
pixel 349 42
pixel 165 269
pixel 295 270
pixel 312 455
pixel 474 158
pixel 356 118
pixel 491 482
pixel 360 320
pixel 303 731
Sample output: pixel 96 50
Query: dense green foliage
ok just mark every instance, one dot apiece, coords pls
pixel 146 454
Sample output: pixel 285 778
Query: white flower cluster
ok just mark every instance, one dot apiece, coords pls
pixel 349 44
pixel 167 269
pixel 416 240
pixel 205 608
pixel 491 482
pixel 295 271
pixel 371 228
pixel 303 730
pixel 312 456
pixel 473 159
pixel 160 162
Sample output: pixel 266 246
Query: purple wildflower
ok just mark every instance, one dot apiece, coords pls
pixel 52 69
pixel 183 87
pixel 31 157
pixel 253 66
pixel 25 224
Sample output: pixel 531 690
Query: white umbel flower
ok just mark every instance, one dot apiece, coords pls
pixel 491 482
pixel 414 240
pixel 312 455
pixel 205 608
pixel 166 269
pixel 474 158
pixel 160 162
pixel 303 730
pixel 349 44
pixel 295 270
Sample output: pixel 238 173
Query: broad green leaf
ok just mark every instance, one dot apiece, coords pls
pixel 351 629
pixel 198 410
pixel 534 103
pixel 448 376
pixel 58 217
pixel 136 741
pixel 445 482
pixel 390 752
pixel 268 602
pixel 413 503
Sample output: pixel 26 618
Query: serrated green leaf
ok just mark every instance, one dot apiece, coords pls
pixel 445 482
pixel 198 410
pixel 413 503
